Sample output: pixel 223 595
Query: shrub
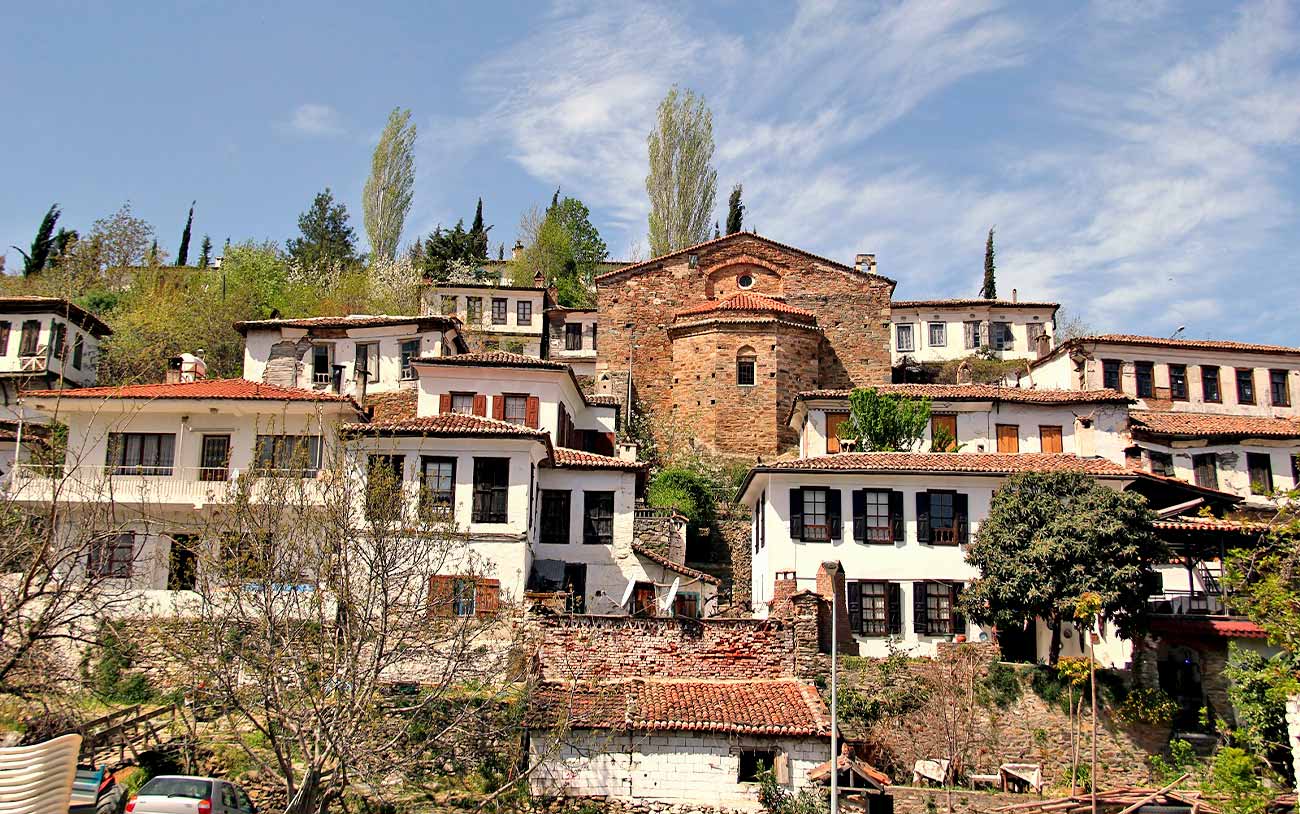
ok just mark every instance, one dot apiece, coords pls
pixel 1147 706
pixel 685 490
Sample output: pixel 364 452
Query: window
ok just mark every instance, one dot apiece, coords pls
pixel 943 431
pixel 642 602
pixel 58 340
pixel 288 455
pixel 214 458
pixel 746 373
pixel 1245 385
pixel 1146 379
pixel 366 366
pixel 877 516
pixel 1003 339
pixel 1111 374
pixel 815 514
pixel 111 555
pixel 29 340
pixel 320 364
pixel 1008 437
pixel 384 475
pixel 78 351
pixel 1205 468
pixel 448 304
pixel 1034 330
pixel 410 351
pixel 687 605
pixel 593 336
pixel 523 313
pixel 598 518
pixel 462 403
pixel 573 336
pixel 499 310
pixel 1278 389
pixel 745 281
pixel 1260 466
pixel 833 423
pixel 491 489
pixel 1178 382
pixel 1162 463
pixel 5 328
pixel 903 342
pixel 437 486
pixel 555 516
pixel 473 310
pixel 941 518
pixel 938 334
pixel 515 410
pixel 753 762
pixel 1210 383
pixel 141 453
pixel 1050 438
pixel 462 597
pixel 934 608
pixel 875 608
pixel 971 334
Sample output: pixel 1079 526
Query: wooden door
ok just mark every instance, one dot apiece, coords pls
pixel 833 422
pixel 1008 438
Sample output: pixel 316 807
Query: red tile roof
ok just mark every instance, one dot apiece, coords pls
pixel 425 321
pixel 764 707
pixel 979 463
pixel 822 771
pixel 238 389
pixel 495 358
pixel 981 392
pixel 579 459
pixel 747 301
pixel 602 399
pixel 972 302
pixel 1162 342
pixel 1203 627
pixel 1200 425
pixel 448 425
pixel 685 570
pixel 1216 525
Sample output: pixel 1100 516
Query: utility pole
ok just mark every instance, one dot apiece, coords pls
pixel 835 756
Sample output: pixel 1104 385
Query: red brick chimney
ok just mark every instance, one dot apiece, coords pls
pixel 784 587
pixel 830 582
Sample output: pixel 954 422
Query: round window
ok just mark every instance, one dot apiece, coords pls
pixel 745 281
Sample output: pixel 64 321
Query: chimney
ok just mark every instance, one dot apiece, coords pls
pixel 517 251
pixel 784 587
pixel 627 451
pixel 830 583
pixel 1013 295
pixel 186 367
pixel 865 263
pixel 677 543
pixel 1042 345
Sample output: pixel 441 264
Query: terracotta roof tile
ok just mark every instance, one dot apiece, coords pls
pixel 579 459
pixel 763 707
pixel 745 301
pixel 1211 628
pixel 971 302
pixel 957 462
pixel 602 399
pixel 351 321
pixel 1163 342
pixel 1209 524
pixel 448 425
pixel 1200 425
pixel 495 358
pixel 239 389
pixel 685 570
pixel 981 392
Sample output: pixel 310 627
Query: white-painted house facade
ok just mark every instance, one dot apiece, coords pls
pixel 495 317
pixel 942 330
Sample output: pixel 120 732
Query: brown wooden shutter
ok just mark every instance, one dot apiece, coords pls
pixel 532 412
pixel 1051 438
pixel 480 404
pixel 1008 438
pixel 487 596
pixel 444 403
pixel 440 595
pixel 499 408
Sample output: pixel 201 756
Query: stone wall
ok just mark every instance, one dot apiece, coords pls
pixel 735 534
pixel 663 531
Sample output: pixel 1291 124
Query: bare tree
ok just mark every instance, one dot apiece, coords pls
pixel 388 191
pixel 682 182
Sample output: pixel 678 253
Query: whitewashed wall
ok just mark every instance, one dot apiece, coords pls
pixel 1020 318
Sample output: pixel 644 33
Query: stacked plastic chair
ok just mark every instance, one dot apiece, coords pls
pixel 38 779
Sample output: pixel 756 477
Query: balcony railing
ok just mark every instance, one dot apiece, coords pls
pixel 1188 603
pixel 192 486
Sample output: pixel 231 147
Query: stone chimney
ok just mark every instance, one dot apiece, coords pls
pixel 627 451
pixel 677 539
pixel 1042 345
pixel 1013 295
pixel 830 583
pixel 783 588
pixel 865 263
pixel 964 374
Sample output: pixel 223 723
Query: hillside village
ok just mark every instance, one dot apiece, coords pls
pixel 651 516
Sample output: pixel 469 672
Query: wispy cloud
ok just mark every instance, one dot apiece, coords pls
pixel 316 120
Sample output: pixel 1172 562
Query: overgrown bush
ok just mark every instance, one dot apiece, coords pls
pixel 1258 688
pixel 1147 706
pixel 685 490
pixel 108 671
pixel 776 799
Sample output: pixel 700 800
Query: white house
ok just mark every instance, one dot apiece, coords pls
pixel 940 330
pixel 495 317
pixel 572 335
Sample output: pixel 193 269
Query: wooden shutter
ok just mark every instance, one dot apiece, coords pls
pixel 487 596
pixel 894 594
pixel 923 517
pixel 833 512
pixel 480 404
pixel 499 408
pixel 1051 438
pixel 532 412
pixel 440 595
pixel 833 422
pixel 796 514
pixel 958 621
pixel 943 421
pixel 961 508
pixel 860 515
pixel 444 403
pixel 896 514
pixel 1008 438
pixel 920 616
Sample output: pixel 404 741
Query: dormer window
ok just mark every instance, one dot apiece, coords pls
pixel 745 281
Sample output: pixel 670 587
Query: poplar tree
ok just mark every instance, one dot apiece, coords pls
pixel 735 211
pixel 990 289
pixel 682 183
pixel 387 196
pixel 183 254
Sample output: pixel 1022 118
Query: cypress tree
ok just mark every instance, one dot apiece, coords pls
pixel 555 199
pixel 477 226
pixel 152 258
pixel 42 244
pixel 717 233
pixel 735 211
pixel 990 289
pixel 183 254
pixel 205 252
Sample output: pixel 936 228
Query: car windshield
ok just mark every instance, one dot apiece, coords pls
pixel 178 787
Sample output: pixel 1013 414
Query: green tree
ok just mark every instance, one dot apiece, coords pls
pixel 479 233
pixel 451 254
pixel 34 262
pixel 205 252
pixel 1263 580
pixel 326 238
pixel 682 182
pixel 563 246
pixel 735 211
pixel 989 291
pixel 183 253
pixel 884 422
pixel 388 192
pixel 1258 688
pixel 1052 537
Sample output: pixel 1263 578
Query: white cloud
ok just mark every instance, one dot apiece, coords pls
pixel 316 120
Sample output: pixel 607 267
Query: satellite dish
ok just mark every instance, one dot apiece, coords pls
pixel 672 594
pixel 627 592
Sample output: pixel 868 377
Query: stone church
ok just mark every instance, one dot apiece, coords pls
pixel 720 337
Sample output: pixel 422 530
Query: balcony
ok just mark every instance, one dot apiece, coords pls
pixel 157 486
pixel 1188 603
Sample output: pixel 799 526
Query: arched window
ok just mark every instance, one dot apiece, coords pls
pixel 746 367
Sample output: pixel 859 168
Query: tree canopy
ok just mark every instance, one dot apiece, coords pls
pixel 1051 537
pixel 563 246
pixel 682 182
pixel 885 422
pixel 326 239
pixel 183 253
pixel 387 196
pixel 1263 580
pixel 43 244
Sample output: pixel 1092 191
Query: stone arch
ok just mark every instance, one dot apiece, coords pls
pixel 721 279
pixel 746 365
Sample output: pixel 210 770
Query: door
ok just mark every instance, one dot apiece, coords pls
pixel 1051 438
pixel 833 422
pixel 943 432
pixel 214 458
pixel 182 563
pixel 575 582
pixel 643 599
pixel 1008 438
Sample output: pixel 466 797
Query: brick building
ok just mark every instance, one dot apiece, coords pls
pixel 722 336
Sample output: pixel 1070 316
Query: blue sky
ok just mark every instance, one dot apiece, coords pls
pixel 1138 157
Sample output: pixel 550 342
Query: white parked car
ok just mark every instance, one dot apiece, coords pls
pixel 181 794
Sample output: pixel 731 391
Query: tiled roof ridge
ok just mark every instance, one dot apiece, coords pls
pixel 745 301
pixel 228 388
pixel 568 457
pixel 977 391
pixel 1165 342
pixel 1187 423
pixel 446 422
pixel 681 568
pixel 346 321
pixel 493 358
pixel 963 301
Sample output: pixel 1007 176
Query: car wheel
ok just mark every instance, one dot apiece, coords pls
pixel 112 801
